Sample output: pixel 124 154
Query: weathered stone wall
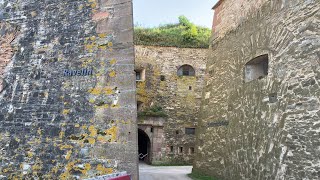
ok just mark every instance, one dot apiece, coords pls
pixel 230 13
pixel 54 126
pixel 267 128
pixel 180 103
pixel 7 34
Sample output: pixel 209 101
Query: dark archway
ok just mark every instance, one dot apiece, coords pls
pixel 186 70
pixel 144 146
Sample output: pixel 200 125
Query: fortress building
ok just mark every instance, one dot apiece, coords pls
pixel 260 112
pixel 56 126
pixel 169 87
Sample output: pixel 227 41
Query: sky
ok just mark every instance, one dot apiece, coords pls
pixel 152 13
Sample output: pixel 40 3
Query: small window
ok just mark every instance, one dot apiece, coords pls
pixel 180 150
pixel 139 105
pixel 162 78
pixel 186 70
pixel 190 131
pixel 190 88
pixel 171 149
pixel 151 129
pixel 257 68
pixel 140 74
pixel 191 150
pixel 177 132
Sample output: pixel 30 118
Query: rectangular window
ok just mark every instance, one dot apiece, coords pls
pixel 171 149
pixel 190 131
pixel 140 74
pixel 162 78
pixel 257 68
pixel 180 150
pixel 191 150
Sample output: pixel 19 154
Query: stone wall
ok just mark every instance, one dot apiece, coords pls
pixel 267 128
pixel 8 33
pixel 230 13
pixel 57 121
pixel 179 96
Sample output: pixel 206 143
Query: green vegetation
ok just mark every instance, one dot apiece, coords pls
pixel 155 111
pixel 170 164
pixel 183 34
pixel 199 176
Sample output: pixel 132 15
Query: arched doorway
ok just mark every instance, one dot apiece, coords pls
pixel 144 146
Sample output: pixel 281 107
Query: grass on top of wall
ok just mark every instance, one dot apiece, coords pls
pixel 154 111
pixel 183 35
pixel 199 176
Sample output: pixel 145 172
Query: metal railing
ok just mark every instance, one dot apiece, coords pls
pixel 141 156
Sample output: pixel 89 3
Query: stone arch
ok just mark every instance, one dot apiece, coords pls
pixel 144 146
pixel 186 70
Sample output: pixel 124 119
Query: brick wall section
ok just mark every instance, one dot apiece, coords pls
pixel 7 35
pixel 60 127
pixel 230 13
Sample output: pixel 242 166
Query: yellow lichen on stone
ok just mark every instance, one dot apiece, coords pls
pixel 105 106
pixel 110 44
pixel 66 146
pixel 91 140
pixel 39 131
pixel 103 47
pixel 68 155
pixel 95 91
pixel 64 176
pixel 87 167
pixel 101 138
pixel 55 169
pixel 108 91
pixel 113 61
pixel 103 170
pixel 30 154
pixel 112 74
pixel 113 133
pixel 102 35
pixel 36 167
pixel 115 106
pixel 94 5
pixel 93 131
pixel 77 125
pixel 66 111
pixel 61 134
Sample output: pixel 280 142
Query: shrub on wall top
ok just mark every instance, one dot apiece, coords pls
pixel 183 34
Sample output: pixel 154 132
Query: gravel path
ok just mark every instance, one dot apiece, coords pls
pixel 147 172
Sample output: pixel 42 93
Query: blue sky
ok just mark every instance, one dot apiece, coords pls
pixel 151 13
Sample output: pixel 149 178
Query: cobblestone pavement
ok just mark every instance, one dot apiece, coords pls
pixel 147 172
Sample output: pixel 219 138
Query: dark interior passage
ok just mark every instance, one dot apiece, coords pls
pixel 144 146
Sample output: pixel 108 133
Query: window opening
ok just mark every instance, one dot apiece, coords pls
pixel 257 68
pixel 180 150
pixel 190 131
pixel 191 150
pixel 186 70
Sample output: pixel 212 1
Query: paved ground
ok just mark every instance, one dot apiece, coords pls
pixel 147 172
